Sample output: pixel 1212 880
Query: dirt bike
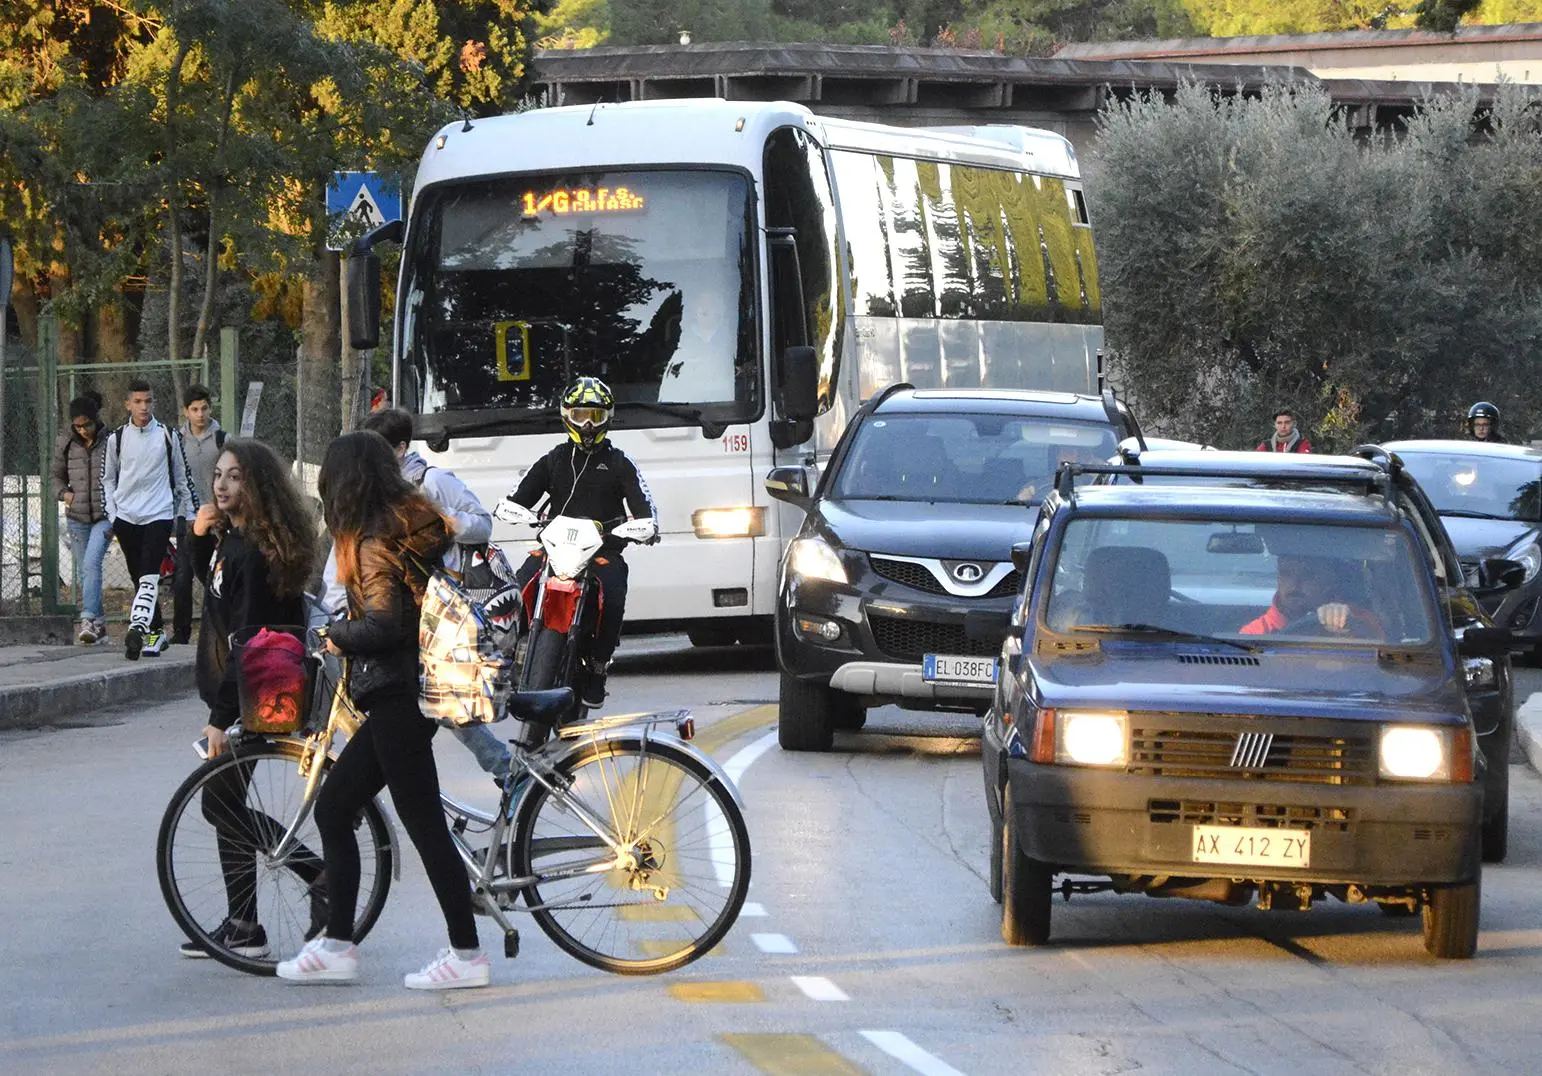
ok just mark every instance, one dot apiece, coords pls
pixel 552 614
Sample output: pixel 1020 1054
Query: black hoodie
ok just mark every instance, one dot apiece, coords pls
pixel 237 594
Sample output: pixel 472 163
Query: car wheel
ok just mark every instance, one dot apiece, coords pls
pixel 997 859
pixel 849 715
pixel 1451 921
pixel 806 715
pixel 1496 826
pixel 1027 887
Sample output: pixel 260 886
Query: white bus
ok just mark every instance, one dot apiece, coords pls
pixel 742 275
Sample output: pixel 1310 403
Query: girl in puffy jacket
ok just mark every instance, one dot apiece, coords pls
pixel 388 537
pixel 77 471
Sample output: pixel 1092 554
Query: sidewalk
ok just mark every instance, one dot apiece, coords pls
pixel 44 686
pixel 1528 728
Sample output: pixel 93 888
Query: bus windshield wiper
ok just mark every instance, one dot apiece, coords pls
pixel 1168 633
pixel 709 429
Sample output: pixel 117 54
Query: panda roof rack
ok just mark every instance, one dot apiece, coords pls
pixel 1378 481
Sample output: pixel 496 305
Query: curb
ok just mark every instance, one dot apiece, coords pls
pixel 1528 725
pixel 70 700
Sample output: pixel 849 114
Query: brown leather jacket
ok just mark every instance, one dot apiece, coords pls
pixel 381 632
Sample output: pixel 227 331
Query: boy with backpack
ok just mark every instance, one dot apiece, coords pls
pixel 146 486
pixel 202 441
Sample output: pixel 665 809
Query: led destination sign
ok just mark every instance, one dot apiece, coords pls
pixel 582 200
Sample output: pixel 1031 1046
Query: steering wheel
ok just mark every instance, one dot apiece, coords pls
pixel 1307 624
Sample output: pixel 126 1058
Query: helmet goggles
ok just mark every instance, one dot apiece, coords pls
pixel 587 416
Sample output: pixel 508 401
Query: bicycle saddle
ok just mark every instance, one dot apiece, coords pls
pixel 543 707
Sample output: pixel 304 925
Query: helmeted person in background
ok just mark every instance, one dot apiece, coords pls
pixel 1483 423
pixel 589 477
pixel 202 441
pixel 77 471
pixel 471 525
pixel 1286 437
pixel 146 487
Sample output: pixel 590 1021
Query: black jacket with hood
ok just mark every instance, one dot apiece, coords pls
pixel 237 594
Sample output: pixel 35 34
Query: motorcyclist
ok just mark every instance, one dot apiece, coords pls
pixel 587 476
pixel 1483 423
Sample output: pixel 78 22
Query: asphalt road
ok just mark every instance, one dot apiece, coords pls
pixel 870 945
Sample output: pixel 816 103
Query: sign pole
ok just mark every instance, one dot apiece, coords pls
pixel 7 266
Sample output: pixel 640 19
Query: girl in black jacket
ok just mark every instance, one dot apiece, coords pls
pixel 387 536
pixel 253 548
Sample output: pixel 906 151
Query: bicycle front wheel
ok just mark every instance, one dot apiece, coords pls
pixel 214 857
pixel 686 833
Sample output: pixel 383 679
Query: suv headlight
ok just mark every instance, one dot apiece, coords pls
pixel 1092 739
pixel 1415 753
pixel 1530 556
pixel 812 558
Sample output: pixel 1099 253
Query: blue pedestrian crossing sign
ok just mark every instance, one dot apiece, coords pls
pixel 357 202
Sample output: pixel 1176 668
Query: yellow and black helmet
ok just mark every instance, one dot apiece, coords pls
pixel 587 405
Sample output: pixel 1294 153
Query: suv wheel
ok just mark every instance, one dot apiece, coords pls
pixel 1027 887
pixel 850 715
pixel 1496 825
pixel 807 715
pixel 998 858
pixel 1451 921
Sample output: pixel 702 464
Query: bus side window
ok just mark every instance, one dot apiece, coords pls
pixel 798 196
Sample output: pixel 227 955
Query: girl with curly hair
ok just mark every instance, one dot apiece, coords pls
pixel 253 550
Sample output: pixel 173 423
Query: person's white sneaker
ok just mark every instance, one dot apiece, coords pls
pixel 449 972
pixel 314 964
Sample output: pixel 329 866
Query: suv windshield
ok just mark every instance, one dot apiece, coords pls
pixel 514 286
pixel 1490 487
pixel 966 458
pixel 1241 580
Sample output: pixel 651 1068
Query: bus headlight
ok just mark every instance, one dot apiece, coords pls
pixel 812 558
pixel 1415 753
pixel 1092 739
pixel 729 522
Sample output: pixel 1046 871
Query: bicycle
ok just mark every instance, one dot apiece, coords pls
pixel 626 844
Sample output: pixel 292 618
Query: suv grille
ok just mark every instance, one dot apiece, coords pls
pixel 903 639
pixel 1252 749
pixel 919 577
pixel 1268 815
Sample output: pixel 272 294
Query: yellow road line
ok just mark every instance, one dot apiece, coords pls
pixel 725 992
pixel 666 947
pixel 790 1055
pixel 659 913
pixel 729 729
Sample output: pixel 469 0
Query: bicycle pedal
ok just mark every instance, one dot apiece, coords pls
pixel 511 944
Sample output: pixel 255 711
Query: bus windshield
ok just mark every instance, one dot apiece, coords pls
pixel 516 285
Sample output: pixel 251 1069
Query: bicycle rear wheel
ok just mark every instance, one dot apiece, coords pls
pixel 693 867
pixel 223 821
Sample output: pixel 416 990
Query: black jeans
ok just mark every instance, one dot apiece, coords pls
pixel 241 834
pixel 144 547
pixel 182 585
pixel 393 749
pixel 609 602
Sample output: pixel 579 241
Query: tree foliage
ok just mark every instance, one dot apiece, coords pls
pixel 1254 253
pixel 168 141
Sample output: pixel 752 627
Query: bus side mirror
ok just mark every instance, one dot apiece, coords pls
pixel 797 387
pixel 363 283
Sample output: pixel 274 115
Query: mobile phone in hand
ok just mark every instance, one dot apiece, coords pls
pixel 201 745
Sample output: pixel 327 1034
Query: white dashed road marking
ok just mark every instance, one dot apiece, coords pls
pixel 751 910
pixel 902 1049
pixel 819 988
pixel 746 756
pixel 773 943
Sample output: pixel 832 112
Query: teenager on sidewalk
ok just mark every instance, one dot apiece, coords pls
pixel 77 471
pixel 202 441
pixel 146 487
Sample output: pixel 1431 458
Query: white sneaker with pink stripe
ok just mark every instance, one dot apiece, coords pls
pixel 449 972
pixel 314 964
